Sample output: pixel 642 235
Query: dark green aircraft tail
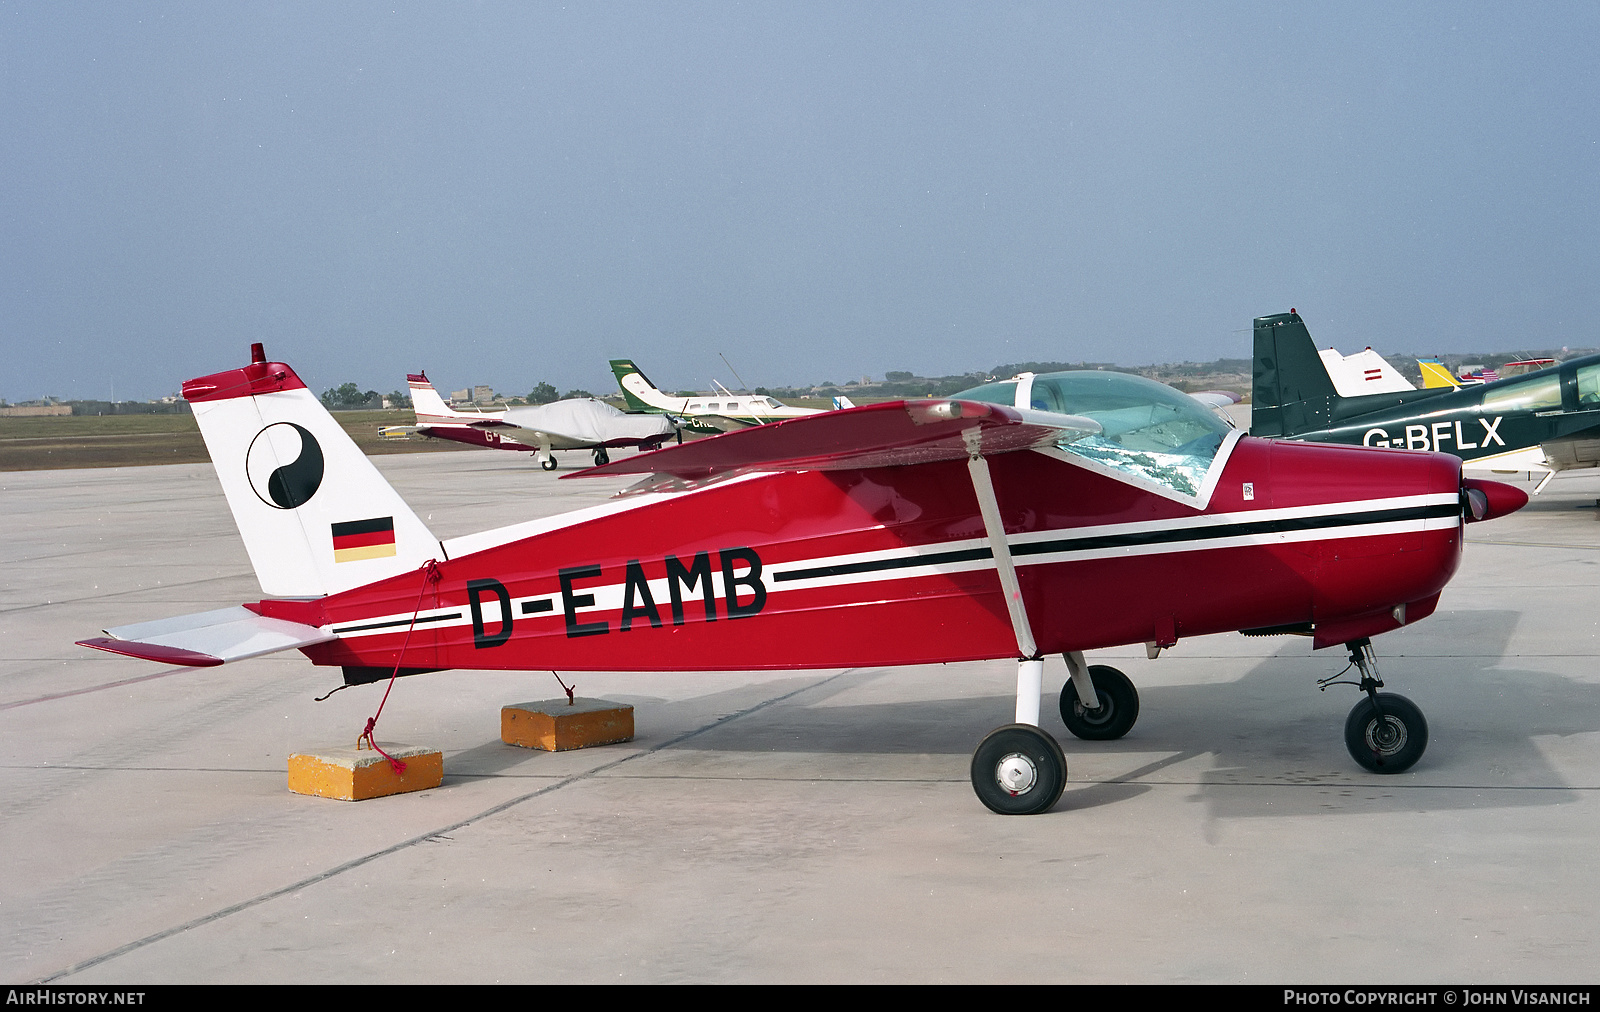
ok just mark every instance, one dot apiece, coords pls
pixel 1292 392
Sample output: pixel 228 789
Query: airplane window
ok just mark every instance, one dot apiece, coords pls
pixel 1589 384
pixel 1537 392
pixel 1149 429
pixel 694 407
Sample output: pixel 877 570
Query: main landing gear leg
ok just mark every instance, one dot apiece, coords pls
pixel 1019 769
pixel 1385 732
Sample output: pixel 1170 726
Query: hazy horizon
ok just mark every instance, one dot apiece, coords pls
pixel 511 193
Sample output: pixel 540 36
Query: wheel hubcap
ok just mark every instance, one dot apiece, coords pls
pixel 1099 715
pixel 1386 736
pixel 1016 774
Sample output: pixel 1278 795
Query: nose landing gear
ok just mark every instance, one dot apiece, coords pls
pixel 1385 732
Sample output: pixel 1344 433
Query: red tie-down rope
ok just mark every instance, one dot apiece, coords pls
pixel 430 575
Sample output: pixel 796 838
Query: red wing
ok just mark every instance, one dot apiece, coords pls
pixel 875 435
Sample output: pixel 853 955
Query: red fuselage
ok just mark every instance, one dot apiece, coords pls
pixel 891 566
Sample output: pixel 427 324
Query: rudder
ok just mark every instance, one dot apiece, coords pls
pixel 637 390
pixel 1291 389
pixel 425 400
pixel 315 515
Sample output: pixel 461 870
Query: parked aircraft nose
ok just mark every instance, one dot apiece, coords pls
pixel 1485 500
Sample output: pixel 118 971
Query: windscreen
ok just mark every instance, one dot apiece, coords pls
pixel 1150 430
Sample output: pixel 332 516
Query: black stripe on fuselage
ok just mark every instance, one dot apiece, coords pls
pixel 1132 539
pixel 419 620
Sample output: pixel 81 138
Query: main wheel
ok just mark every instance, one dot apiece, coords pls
pixel 1119 706
pixel 1018 770
pixel 1392 744
pixel 601 458
pixel 548 463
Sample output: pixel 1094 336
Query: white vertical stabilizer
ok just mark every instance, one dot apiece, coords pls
pixel 316 516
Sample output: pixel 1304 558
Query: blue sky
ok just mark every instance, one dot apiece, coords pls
pixel 514 193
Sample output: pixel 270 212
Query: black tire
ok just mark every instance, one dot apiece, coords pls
pixel 1119 706
pixel 601 458
pixel 1030 759
pixel 548 463
pixel 1392 745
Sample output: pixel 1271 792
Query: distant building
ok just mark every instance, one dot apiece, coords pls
pixel 482 394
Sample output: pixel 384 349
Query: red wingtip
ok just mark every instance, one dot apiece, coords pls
pixel 152 652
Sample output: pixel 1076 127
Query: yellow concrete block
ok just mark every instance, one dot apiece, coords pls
pixel 556 725
pixel 351 774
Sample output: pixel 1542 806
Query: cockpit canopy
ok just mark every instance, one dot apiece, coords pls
pixel 1151 431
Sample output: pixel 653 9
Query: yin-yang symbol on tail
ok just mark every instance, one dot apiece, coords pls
pixel 284 465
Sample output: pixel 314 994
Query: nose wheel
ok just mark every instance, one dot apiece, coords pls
pixel 548 463
pixel 1019 770
pixel 1385 733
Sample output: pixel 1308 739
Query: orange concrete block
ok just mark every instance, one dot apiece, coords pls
pixel 556 725
pixel 351 774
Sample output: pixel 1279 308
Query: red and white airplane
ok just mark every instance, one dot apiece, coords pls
pixel 577 423
pixel 1059 513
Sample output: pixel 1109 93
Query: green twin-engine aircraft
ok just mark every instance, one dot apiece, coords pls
pixel 1544 421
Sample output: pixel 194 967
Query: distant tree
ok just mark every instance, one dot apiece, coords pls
pixel 348 395
pixel 898 376
pixel 544 393
pixel 763 392
pixel 398 399
pixel 570 394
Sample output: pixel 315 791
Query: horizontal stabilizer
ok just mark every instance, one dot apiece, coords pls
pixel 876 435
pixel 208 638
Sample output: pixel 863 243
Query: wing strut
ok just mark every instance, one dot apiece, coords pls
pixel 1030 670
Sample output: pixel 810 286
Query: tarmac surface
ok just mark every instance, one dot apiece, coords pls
pixel 813 826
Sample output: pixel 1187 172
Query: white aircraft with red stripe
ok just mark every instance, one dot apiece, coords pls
pixel 576 423
pixel 1060 513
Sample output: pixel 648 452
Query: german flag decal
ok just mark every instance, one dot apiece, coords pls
pixel 363 539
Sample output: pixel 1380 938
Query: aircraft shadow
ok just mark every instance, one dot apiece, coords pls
pixel 1268 728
